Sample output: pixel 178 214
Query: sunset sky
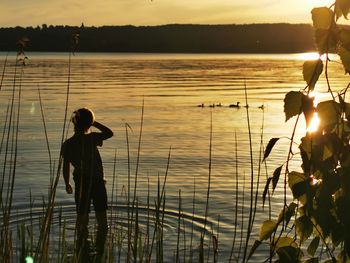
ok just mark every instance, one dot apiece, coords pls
pixel 155 12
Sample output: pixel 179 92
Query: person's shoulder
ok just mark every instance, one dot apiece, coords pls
pixel 97 137
pixel 69 141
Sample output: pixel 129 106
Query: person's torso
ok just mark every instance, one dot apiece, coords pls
pixel 84 156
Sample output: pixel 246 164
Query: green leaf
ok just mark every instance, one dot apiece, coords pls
pixel 329 112
pixel 322 17
pixel 266 189
pixel 345 58
pixel 269 147
pixel 276 176
pixel 293 104
pixel 303 227
pixel 313 246
pixel 312 70
pixel 267 228
pixel 257 243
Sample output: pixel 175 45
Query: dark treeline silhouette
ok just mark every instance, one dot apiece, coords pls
pixel 253 38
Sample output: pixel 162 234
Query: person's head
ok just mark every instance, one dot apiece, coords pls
pixel 83 119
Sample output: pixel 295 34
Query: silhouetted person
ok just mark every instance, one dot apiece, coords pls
pixel 81 152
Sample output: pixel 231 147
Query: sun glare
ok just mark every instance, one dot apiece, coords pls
pixel 314 123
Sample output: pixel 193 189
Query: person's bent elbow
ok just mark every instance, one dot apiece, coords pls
pixel 109 134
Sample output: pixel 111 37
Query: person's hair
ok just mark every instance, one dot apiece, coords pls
pixel 83 119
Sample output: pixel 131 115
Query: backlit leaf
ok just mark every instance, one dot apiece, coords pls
pixel 306 146
pixel 276 177
pixel 312 260
pixel 312 70
pixel 344 6
pixel 254 247
pixel 347 110
pixel 345 58
pixel 285 242
pixel 295 178
pixel 326 40
pixel 299 190
pixel 287 213
pixel 266 189
pixel 329 112
pixel 303 227
pixel 293 104
pixel 289 254
pixel 344 37
pixel 298 184
pixel 267 228
pixel 269 147
pixel 327 152
pixel 338 12
pixel 322 17
pixel 313 246
pixel 308 108
pixel 321 40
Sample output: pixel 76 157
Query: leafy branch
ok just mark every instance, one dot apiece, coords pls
pixel 321 191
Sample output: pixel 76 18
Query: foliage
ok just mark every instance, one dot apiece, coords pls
pixel 321 190
pixel 191 38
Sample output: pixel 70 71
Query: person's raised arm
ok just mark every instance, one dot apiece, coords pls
pixel 106 132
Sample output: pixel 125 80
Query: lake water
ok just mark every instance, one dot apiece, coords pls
pixel 171 86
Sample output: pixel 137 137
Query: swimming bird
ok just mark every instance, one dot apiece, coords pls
pixel 261 106
pixel 201 105
pixel 218 105
pixel 235 105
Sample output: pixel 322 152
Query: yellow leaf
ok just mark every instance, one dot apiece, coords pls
pixel 327 153
pixel 344 7
pixel 326 40
pixel 347 109
pixel 329 112
pixel 267 228
pixel 285 242
pixel 295 177
pixel 345 58
pixel 306 145
pixel 312 70
pixel 344 37
pixel 293 104
pixel 322 17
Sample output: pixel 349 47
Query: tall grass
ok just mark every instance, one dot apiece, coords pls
pixel 128 242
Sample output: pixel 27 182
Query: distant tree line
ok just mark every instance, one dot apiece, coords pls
pixel 252 38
